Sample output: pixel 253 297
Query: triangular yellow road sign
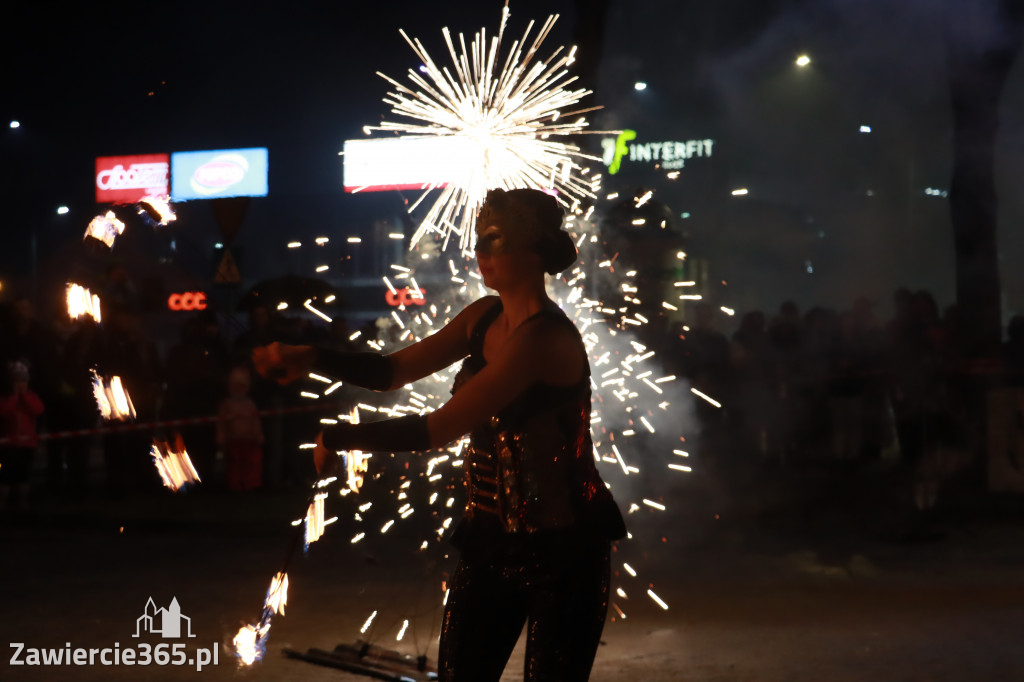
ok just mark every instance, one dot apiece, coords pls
pixel 227 271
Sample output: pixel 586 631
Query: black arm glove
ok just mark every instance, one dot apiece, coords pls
pixel 369 370
pixel 404 434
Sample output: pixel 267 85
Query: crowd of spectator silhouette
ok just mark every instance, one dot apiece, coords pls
pixel 829 386
pixel 822 385
pixel 188 383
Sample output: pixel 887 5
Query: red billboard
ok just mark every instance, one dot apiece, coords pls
pixel 127 179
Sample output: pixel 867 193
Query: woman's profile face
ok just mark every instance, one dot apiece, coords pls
pixel 500 257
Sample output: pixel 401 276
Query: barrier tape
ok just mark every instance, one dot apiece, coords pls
pixel 188 421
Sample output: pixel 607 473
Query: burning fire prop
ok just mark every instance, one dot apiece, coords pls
pixel 250 641
pixel 106 228
pixel 277 595
pixel 173 463
pixel 158 209
pixel 111 398
pixel 81 302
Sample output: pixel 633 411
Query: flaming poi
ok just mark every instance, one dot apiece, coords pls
pixel 81 302
pixel 250 641
pixel 158 209
pixel 277 595
pixel 173 463
pixel 105 227
pixel 112 400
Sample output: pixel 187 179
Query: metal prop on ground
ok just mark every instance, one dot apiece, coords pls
pixel 372 661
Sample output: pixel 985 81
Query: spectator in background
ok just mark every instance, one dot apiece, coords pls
pixel 818 351
pixel 33 343
pixel 756 383
pixel 785 333
pixel 128 353
pixel 262 331
pixel 75 408
pixel 920 393
pixel 240 434
pixel 264 328
pixel 1013 352
pixel 196 369
pixel 703 357
pixel 19 409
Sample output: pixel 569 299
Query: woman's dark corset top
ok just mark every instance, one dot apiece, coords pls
pixel 532 466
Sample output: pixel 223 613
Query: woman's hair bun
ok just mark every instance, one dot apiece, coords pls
pixel 541 213
pixel 558 253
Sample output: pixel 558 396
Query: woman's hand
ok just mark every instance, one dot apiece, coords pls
pixel 282 362
pixel 326 460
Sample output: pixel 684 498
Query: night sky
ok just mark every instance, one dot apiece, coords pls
pixel 299 79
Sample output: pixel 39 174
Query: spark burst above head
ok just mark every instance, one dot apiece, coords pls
pixel 499 117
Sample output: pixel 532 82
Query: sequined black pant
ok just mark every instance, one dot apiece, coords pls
pixel 560 590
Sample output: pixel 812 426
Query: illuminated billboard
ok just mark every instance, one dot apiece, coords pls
pixel 406 163
pixel 128 179
pixel 218 174
pixel 670 155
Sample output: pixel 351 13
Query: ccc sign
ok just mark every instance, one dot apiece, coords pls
pixel 406 296
pixel 190 300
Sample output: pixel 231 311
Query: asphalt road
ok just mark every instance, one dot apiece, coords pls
pixel 753 598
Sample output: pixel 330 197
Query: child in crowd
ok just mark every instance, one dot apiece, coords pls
pixel 240 434
pixel 18 412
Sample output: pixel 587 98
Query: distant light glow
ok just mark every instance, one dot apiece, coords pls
pixel 15 124
pixel 865 129
pixel 742 191
pixel 640 85
pixel 803 60
pixel 63 210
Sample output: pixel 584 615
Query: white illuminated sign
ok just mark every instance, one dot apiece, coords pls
pixel 406 163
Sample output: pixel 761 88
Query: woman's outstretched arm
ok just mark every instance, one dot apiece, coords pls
pixel 286 363
pixel 538 350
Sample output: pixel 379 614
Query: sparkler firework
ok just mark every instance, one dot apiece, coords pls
pixel 496 118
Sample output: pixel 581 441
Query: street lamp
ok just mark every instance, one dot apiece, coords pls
pixel 803 60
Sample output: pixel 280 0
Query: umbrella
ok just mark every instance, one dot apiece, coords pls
pixel 290 289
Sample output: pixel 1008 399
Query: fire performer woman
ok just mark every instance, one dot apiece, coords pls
pixel 538 522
